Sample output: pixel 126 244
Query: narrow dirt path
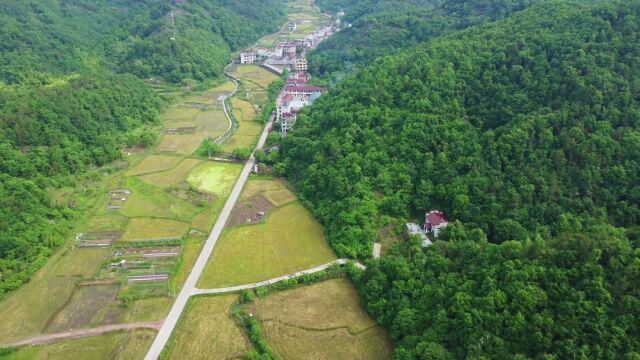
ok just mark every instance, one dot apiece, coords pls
pixel 73 334
pixel 197 291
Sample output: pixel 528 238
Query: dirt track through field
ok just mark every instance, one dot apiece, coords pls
pixel 73 334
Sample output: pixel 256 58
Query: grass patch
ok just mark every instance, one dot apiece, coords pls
pixel 207 331
pixel 249 129
pixel 256 74
pixel 149 228
pixel 84 262
pixel 154 163
pixel 180 144
pixel 150 201
pixel 321 321
pixel 172 177
pixel 149 309
pixel 215 178
pixel 188 257
pixel 179 113
pixel 116 345
pixel 25 312
pixel 107 221
pixel 289 240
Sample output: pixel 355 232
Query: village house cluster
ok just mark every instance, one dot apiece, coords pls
pixel 295 95
pixel 290 53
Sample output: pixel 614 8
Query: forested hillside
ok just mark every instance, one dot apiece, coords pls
pixel 71 94
pixel 53 37
pixel 526 132
pixel 383 27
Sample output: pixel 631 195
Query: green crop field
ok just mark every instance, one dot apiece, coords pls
pixel 289 240
pixel 321 321
pixel 150 228
pixel 150 201
pixel 206 330
pixel 275 191
pixel 171 177
pixel 248 131
pixel 215 178
pixel 255 74
pixel 154 163
pixel 116 345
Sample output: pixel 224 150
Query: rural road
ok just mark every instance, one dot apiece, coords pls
pixel 72 334
pixel 189 286
pixel 197 291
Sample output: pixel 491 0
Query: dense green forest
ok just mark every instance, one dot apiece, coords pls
pixel 45 37
pixel 383 27
pixel 71 95
pixel 526 133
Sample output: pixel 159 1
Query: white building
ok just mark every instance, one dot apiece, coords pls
pixel 247 57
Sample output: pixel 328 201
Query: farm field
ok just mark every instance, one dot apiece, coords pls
pixel 255 80
pixel 192 121
pixel 206 330
pixel 289 239
pixel 249 129
pixel 116 345
pixel 160 204
pixel 214 178
pixel 173 176
pixel 321 321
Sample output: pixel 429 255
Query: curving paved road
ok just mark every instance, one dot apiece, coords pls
pixel 197 291
pixel 72 334
pixel 189 286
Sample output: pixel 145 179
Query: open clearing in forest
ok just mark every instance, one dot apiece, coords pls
pixel 206 330
pixel 321 321
pixel 288 240
pixel 215 178
pixel 114 345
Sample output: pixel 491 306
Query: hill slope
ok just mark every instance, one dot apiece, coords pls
pixel 57 37
pixel 527 132
pixel 382 27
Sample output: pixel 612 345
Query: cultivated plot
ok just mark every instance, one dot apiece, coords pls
pixel 215 178
pixel 111 346
pixel 288 240
pixel 321 321
pixel 206 330
pixel 248 131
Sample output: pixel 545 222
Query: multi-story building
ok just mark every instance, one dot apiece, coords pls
pixel 248 57
pixel 301 64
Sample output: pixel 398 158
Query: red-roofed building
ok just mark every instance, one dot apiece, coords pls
pixel 303 90
pixel 434 221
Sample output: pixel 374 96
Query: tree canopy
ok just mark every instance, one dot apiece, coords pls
pixel 525 132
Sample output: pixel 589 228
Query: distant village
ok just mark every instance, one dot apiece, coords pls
pixel 291 55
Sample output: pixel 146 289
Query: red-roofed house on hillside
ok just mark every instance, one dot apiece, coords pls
pixel 434 221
